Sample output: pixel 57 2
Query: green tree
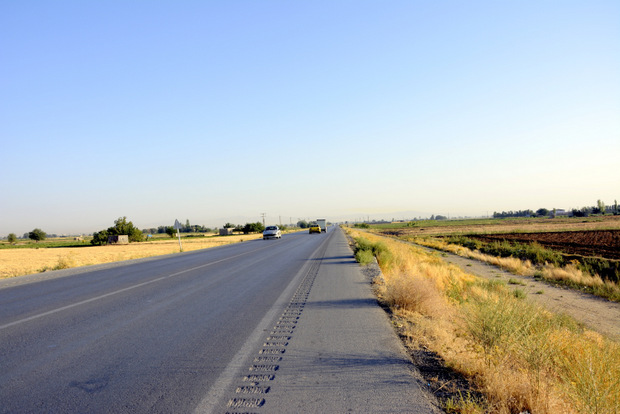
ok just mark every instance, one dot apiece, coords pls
pixel 601 206
pixel 37 235
pixel 121 227
pixel 100 238
pixel 253 228
pixel 12 238
pixel 170 231
pixel 542 212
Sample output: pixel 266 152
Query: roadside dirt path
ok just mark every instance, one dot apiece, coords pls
pixel 597 314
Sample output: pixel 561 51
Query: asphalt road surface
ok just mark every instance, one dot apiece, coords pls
pixel 276 326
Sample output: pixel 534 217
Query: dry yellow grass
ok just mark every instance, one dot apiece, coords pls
pixel 568 274
pixel 18 262
pixel 512 264
pixel 522 357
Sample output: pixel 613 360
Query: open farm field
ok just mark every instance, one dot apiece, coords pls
pixel 52 242
pixel 23 261
pixel 490 226
pixel 597 243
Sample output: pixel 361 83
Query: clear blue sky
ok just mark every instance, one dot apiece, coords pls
pixel 218 111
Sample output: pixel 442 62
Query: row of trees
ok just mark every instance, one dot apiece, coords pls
pixel 124 227
pixel 438 217
pixel 36 235
pixel 187 228
pixel 303 224
pixel 248 228
pixel 518 213
pixel 600 208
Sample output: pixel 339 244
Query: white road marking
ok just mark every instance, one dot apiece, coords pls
pixel 73 305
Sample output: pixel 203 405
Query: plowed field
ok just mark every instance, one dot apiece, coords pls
pixel 598 243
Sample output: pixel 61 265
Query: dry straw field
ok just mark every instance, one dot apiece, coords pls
pixel 18 262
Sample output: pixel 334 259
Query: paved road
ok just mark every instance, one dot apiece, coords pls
pixel 264 326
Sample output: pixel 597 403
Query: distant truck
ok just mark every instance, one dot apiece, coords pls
pixel 322 224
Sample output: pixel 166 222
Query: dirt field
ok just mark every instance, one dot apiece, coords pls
pixel 599 243
pixel 598 237
pixel 508 226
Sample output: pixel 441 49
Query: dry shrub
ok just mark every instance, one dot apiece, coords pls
pixel 589 366
pixel 424 331
pixel 65 262
pixel 571 273
pixel 414 293
pixel 507 391
pixel 408 259
pixel 512 264
pixel 512 337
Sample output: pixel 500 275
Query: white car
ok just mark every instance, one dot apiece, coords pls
pixel 272 232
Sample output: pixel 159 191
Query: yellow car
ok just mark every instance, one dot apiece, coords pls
pixel 315 228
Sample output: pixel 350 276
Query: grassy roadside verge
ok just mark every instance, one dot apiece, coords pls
pixel 519 356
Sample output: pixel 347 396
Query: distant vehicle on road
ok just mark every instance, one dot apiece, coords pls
pixel 322 224
pixel 314 228
pixel 272 232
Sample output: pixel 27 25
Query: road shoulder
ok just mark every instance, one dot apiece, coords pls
pixel 345 356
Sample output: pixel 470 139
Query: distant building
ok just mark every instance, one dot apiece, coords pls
pixel 120 239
